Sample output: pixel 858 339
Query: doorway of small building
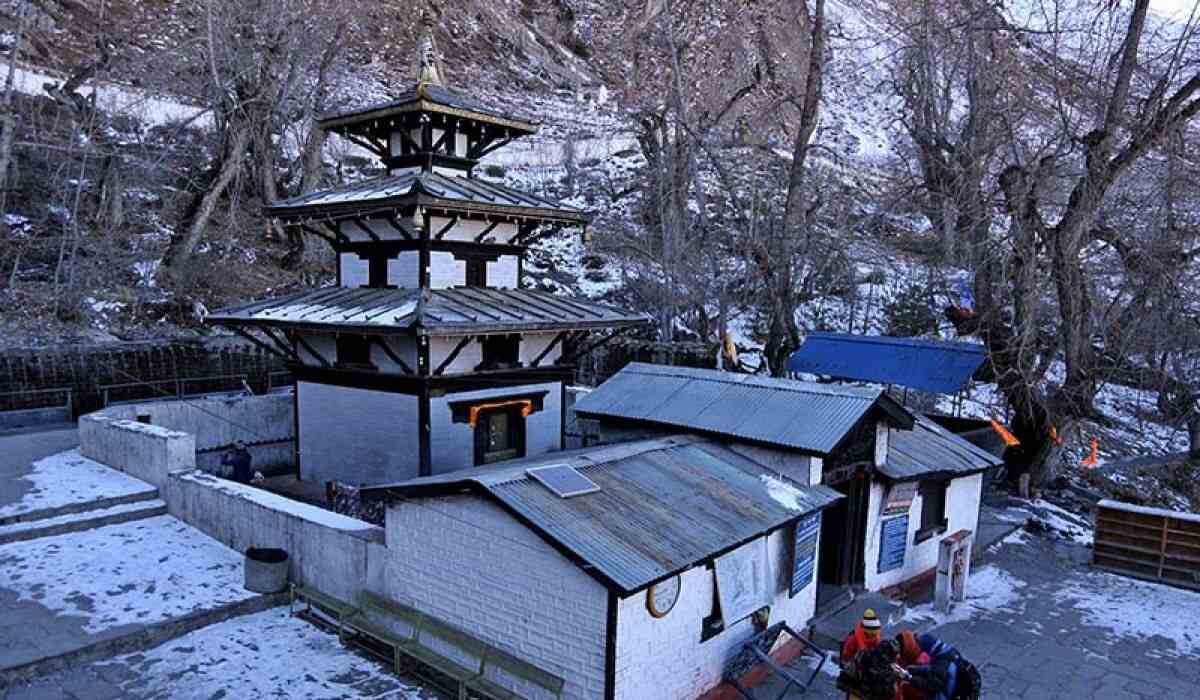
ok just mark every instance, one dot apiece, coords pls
pixel 843 538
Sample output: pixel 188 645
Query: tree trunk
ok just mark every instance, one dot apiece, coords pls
pixel 8 121
pixel 183 245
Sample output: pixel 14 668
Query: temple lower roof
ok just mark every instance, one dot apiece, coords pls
pixel 432 189
pixel 453 311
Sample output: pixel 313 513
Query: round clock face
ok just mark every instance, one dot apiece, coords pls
pixel 662 596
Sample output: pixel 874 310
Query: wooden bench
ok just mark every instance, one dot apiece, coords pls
pixel 344 612
pixel 426 629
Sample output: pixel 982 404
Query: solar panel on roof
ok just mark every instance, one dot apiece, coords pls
pixel 563 480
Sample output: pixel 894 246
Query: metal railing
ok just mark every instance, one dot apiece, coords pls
pixel 6 404
pixel 177 388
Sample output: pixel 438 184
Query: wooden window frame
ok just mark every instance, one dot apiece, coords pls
pixel 518 436
pixel 929 530
pixel 346 338
pixel 490 363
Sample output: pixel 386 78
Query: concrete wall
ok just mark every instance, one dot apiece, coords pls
pixel 452 445
pixel 356 436
pixel 333 553
pixel 532 345
pixel 336 554
pixel 147 452
pixel 468 562
pixel 664 657
pixel 962 512
pixel 503 272
pixel 264 422
pixel 355 271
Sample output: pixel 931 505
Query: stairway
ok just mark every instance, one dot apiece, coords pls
pixel 86 515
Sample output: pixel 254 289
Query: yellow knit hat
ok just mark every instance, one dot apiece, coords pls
pixel 870 621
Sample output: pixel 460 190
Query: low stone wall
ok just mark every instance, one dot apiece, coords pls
pixel 333 553
pixel 148 452
pixel 265 423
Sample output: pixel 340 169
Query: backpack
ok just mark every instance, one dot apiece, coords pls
pixel 970 682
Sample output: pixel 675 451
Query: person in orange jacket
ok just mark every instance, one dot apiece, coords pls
pixel 911 654
pixel 865 635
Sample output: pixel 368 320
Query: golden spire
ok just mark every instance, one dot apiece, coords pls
pixel 429 60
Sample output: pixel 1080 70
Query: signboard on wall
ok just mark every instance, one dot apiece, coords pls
pixel 900 498
pixel 743 581
pixel 893 543
pixel 804 554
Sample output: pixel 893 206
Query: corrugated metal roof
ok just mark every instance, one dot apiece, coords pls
pixel 930 450
pixel 450 191
pixel 929 365
pixel 436 94
pixel 446 311
pixel 663 506
pixel 799 415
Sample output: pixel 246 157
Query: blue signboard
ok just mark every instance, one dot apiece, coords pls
pixel 805 553
pixel 893 543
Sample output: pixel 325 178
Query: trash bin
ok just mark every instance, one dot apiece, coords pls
pixel 266 569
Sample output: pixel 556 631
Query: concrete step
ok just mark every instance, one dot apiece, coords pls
pixel 149 494
pixel 86 520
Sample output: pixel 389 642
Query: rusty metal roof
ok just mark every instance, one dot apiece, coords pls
pixel 454 311
pixel 664 505
pixel 930 451
pixel 434 189
pixel 804 416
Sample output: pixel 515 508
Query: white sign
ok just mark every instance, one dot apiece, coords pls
pixel 743 581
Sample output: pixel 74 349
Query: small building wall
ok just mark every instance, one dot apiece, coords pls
pixel 356 436
pixel 404 270
pixel 503 273
pixel 452 445
pixel 532 345
pixel 326 344
pixel 445 271
pixel 466 561
pixel 664 658
pixel 962 513
pixel 469 229
pixel 355 272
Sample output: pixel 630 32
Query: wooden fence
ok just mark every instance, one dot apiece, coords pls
pixel 1148 543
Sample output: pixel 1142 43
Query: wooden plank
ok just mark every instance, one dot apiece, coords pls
pixel 1144 577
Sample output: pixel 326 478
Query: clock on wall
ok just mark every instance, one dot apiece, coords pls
pixel 662 596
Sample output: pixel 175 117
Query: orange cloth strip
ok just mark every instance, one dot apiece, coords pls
pixel 1004 433
pixel 1094 457
pixel 525 404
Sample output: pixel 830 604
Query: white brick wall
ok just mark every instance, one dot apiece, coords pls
pixel 452 445
pixel 355 271
pixel 356 436
pixel 467 562
pixel 664 658
pixel 962 512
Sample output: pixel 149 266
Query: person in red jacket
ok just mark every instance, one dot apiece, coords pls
pixel 866 635
pixel 911 654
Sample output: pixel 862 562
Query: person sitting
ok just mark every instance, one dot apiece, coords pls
pixel 910 655
pixel 938 678
pixel 865 635
pixel 239 460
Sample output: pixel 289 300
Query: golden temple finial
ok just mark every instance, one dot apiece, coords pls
pixel 429 60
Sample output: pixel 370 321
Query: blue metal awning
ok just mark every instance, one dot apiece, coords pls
pixel 930 365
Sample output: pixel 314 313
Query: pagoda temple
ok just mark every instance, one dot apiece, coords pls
pixel 428 356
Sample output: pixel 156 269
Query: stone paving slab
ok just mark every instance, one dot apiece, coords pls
pixel 265 655
pixel 60 483
pixel 63 593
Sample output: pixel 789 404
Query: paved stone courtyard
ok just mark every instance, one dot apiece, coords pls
pixel 1042 625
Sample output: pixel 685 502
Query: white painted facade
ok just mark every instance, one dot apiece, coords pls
pixel 326 345
pixel 341 430
pixel 452 445
pixel 532 345
pixel 469 230
pixel 353 271
pixel 962 513
pixel 469 563
pixel 664 658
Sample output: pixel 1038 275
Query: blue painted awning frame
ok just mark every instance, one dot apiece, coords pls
pixel 930 365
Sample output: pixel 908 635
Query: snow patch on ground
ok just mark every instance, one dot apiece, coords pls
pixel 989 589
pixel 265 655
pixel 1132 608
pixel 1064 523
pixel 69 477
pixel 139 572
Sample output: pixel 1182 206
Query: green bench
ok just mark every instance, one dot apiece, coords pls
pixel 425 629
pixel 342 611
